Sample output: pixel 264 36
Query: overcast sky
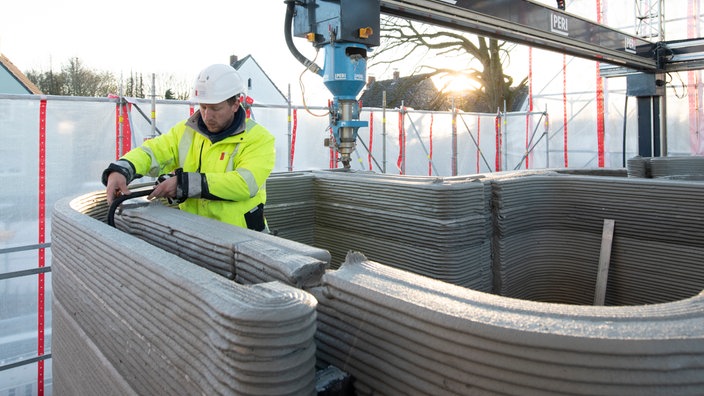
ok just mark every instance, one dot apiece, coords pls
pixel 149 36
pixel 168 38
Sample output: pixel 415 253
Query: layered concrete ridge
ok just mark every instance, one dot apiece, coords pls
pixel 291 201
pixel 690 167
pixel 133 318
pixel 433 226
pixel 401 333
pixel 548 238
pixel 248 256
pixel 531 235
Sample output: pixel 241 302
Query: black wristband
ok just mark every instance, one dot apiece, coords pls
pixel 114 168
pixel 188 185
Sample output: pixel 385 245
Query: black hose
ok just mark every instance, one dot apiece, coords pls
pixel 119 200
pixel 288 21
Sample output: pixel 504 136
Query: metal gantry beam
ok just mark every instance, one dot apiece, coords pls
pixel 684 55
pixel 537 25
pixel 540 26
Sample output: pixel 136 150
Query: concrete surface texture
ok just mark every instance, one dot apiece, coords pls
pixel 466 285
pixel 439 227
pixel 548 237
pixel 683 168
pixel 401 333
pixel 133 318
pixel 533 235
pixel 234 253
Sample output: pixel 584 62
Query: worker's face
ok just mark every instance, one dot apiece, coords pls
pixel 218 116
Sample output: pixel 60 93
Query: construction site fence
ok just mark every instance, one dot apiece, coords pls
pixel 56 146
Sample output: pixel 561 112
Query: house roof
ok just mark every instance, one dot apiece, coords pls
pixel 419 92
pixel 238 63
pixel 19 76
pixel 416 91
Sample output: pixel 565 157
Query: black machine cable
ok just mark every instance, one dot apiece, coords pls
pixel 122 198
pixel 288 21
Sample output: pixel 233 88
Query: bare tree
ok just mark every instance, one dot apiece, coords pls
pixel 483 59
pixel 50 83
pixel 166 86
pixel 82 81
pixel 173 87
pixel 74 80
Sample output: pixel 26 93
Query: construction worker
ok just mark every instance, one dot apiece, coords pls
pixel 213 164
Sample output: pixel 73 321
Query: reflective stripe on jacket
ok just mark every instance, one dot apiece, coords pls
pixel 235 168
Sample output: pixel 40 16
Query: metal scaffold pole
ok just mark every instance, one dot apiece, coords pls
pixel 153 113
pixel 288 109
pixel 650 21
pixel 383 132
pixel 121 121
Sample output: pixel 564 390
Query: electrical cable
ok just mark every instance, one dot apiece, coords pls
pixel 678 95
pixel 303 91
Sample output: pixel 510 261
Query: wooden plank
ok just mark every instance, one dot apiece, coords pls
pixel 602 276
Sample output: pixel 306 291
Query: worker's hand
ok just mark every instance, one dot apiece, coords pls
pixel 116 186
pixel 165 189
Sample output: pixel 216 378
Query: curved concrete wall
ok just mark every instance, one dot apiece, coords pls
pixel 688 168
pixel 247 256
pixel 401 333
pixel 548 237
pixel 132 318
pixel 531 235
pixel 433 226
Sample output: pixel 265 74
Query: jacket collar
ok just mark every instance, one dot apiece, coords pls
pixel 238 126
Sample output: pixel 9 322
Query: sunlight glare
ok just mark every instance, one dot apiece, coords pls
pixel 455 83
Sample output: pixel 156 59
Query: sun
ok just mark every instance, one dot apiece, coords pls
pixel 455 82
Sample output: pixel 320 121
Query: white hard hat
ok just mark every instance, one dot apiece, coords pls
pixel 217 83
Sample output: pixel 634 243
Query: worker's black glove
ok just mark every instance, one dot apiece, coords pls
pixel 188 185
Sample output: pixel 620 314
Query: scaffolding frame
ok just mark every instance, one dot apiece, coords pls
pixel 650 19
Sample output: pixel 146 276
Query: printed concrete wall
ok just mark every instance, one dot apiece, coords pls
pixel 134 318
pixel 398 332
pixel 533 235
pixel 548 236
pixel 247 256
pixel 388 323
pixel 438 227
pixel 401 333
pixel 682 168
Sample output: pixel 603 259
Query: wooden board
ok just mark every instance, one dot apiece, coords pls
pixel 602 276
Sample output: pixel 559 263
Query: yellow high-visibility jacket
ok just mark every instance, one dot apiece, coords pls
pixel 223 180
